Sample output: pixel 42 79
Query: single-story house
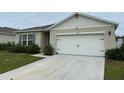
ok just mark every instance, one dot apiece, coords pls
pixel 7 34
pixel 78 34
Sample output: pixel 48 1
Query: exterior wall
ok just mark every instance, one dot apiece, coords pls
pixel 6 38
pixel 80 22
pixel 17 38
pixel 39 38
pixel 109 40
pixel 44 40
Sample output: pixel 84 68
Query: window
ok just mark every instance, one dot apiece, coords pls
pixel 27 39
pixel 24 40
pixel 109 33
pixel 30 39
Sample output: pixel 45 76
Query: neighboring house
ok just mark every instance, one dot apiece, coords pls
pixel 119 41
pixel 78 34
pixel 7 34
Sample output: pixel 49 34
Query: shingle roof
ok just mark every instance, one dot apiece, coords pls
pixel 39 27
pixel 7 30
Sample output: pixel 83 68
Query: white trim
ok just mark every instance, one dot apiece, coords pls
pixel 100 32
pixel 98 18
pixel 85 27
pixel 28 31
pixel 26 37
pixel 98 46
pixel 80 33
pixel 61 21
pixel 86 15
pixel 81 14
pixel 66 33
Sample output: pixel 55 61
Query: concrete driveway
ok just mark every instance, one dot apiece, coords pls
pixel 60 67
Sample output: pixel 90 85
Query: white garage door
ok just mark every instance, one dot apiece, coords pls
pixel 92 45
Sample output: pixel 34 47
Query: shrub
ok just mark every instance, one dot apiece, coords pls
pixel 33 49
pixel 8 44
pixel 116 54
pixel 11 48
pixel 18 48
pixel 48 50
pixel 122 47
pixel 113 54
pixel 2 46
pixel 5 46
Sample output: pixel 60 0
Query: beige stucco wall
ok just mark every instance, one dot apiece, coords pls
pixel 39 38
pixel 80 22
pixel 6 38
pixel 109 40
pixel 84 24
pixel 44 40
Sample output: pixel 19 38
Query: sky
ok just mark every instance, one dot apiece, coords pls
pixel 22 20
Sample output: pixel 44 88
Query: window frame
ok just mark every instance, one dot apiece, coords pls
pixel 27 37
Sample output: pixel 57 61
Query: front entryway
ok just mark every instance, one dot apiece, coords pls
pixel 90 44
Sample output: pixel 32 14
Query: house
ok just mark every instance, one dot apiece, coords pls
pixel 7 34
pixel 78 34
pixel 119 42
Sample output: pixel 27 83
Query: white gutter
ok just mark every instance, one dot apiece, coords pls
pixel 80 33
pixel 29 31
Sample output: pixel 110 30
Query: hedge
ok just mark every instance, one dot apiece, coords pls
pixel 116 54
pixel 18 48
pixel 4 46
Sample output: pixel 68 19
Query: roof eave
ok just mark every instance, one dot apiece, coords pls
pixel 7 33
pixel 98 18
pixel 86 15
pixel 28 31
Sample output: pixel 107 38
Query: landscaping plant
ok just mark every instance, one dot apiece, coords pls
pixel 18 48
pixel 5 46
pixel 33 49
pixel 48 50
pixel 116 54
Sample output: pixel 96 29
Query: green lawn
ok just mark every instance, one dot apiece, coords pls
pixel 114 70
pixel 9 61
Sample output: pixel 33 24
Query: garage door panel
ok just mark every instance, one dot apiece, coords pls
pixel 92 45
pixel 66 45
pixel 81 44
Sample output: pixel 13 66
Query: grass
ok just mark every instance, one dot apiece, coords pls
pixel 114 70
pixel 10 61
